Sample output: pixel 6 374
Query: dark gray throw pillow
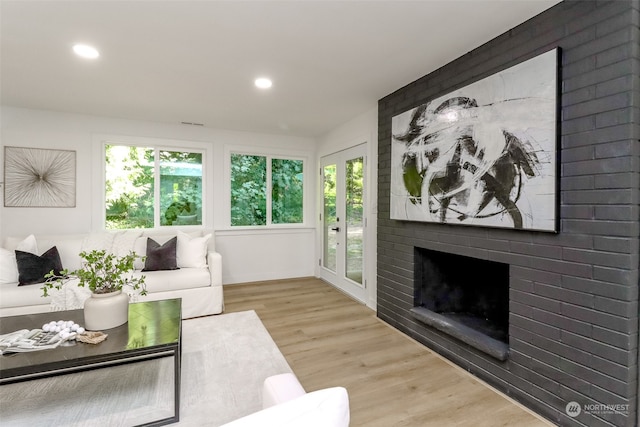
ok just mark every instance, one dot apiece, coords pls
pixel 32 268
pixel 161 257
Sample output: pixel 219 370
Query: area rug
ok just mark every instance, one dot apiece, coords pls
pixel 225 359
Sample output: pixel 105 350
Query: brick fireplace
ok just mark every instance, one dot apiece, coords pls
pixel 556 323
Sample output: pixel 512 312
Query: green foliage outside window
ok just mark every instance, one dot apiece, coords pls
pixel 329 173
pixel 248 190
pixel 249 198
pixel 286 191
pixel 354 184
pixel 180 188
pixel 130 186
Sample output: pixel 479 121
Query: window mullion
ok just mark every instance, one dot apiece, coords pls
pixel 269 191
pixel 156 188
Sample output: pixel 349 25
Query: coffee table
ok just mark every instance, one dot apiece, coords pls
pixel 153 331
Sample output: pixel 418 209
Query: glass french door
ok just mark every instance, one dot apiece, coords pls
pixel 343 221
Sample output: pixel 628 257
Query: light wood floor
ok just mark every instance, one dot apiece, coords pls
pixel 330 340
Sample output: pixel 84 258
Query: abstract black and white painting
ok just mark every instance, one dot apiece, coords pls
pixel 485 154
pixel 35 177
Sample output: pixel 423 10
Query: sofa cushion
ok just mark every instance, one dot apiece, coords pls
pixel 161 257
pixel 323 408
pixel 21 296
pixel 98 241
pixel 69 251
pixel 184 278
pixel 33 268
pixel 124 241
pixel 69 246
pixel 191 251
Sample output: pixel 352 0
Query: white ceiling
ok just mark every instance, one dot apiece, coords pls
pixel 195 61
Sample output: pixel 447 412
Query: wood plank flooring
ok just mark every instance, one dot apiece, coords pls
pixel 329 339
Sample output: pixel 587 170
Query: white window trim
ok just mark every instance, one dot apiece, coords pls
pixel 307 192
pixel 98 200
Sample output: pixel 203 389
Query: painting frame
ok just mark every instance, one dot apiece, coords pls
pixel 39 177
pixel 485 154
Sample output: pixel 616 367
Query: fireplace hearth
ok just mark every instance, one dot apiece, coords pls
pixel 467 298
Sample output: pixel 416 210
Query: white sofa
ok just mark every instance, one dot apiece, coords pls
pixel 199 284
pixel 286 404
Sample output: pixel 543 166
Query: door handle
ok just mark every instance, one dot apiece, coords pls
pixel 337 229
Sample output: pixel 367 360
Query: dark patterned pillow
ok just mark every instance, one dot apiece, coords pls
pixel 161 257
pixel 32 268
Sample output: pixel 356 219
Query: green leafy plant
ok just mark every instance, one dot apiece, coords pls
pixel 101 272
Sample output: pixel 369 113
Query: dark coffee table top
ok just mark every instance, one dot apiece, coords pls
pixel 153 327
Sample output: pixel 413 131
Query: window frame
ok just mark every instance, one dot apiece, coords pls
pixel 99 176
pixel 269 154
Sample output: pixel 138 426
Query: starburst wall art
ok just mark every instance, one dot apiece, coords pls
pixel 35 177
pixel 483 155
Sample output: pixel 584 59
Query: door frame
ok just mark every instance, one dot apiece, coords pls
pixel 367 296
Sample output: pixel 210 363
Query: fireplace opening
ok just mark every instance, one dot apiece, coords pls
pixel 465 297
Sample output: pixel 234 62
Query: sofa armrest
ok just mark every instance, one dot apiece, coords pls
pixel 214 261
pixel 280 388
pixel 328 407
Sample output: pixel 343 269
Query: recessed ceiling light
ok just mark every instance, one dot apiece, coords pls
pixel 86 51
pixel 263 83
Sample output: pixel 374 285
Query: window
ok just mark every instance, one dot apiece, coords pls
pixel 266 190
pixel 286 191
pixel 146 187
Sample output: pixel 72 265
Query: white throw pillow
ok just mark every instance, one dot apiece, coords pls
pixel 8 264
pixel 191 252
pixel 8 267
pixel 323 408
pixel 29 244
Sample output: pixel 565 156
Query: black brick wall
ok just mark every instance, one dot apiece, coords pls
pixel 573 295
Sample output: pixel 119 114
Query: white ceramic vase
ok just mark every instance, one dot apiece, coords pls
pixel 106 311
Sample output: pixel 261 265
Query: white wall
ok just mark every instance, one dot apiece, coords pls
pixel 362 129
pixel 249 255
